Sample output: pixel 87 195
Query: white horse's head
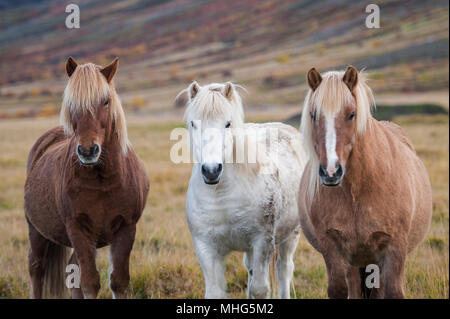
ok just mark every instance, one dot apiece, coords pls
pixel 211 112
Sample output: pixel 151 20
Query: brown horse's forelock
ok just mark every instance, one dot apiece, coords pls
pixel 87 88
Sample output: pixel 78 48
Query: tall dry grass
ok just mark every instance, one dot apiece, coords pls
pixel 163 263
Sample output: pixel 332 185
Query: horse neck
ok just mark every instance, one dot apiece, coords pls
pixel 366 166
pixel 113 156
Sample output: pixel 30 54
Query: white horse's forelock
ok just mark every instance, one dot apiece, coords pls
pixel 87 88
pixel 210 102
pixel 329 98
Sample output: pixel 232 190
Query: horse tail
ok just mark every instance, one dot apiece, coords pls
pixel 55 269
pixel 273 275
pixel 365 291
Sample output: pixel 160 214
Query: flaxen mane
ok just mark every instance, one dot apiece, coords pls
pixel 329 98
pixel 85 189
pixel 86 88
pixel 371 204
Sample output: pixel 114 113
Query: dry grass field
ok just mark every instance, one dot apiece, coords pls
pixel 163 263
pixel 265 45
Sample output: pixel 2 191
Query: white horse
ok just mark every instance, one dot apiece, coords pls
pixel 237 205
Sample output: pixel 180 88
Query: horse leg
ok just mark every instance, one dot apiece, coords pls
pixel 120 258
pixel 336 270
pixel 285 263
pixel 393 273
pixel 248 263
pixel 85 251
pixel 357 285
pixel 262 255
pixel 213 271
pixel 36 261
pixel 353 280
pixel 75 292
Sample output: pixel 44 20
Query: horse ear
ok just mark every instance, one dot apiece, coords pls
pixel 193 89
pixel 110 70
pixel 314 79
pixel 228 90
pixel 71 65
pixel 351 77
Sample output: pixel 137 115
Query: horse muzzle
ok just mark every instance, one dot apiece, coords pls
pixel 211 173
pixel 331 180
pixel 88 156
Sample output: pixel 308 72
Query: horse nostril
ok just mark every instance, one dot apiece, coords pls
pixel 79 150
pixel 203 170
pixel 339 171
pixel 323 171
pixel 219 168
pixel 95 149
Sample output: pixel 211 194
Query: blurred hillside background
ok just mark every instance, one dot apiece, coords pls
pixel 265 45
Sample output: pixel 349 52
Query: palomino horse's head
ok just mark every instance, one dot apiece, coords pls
pixel 211 111
pixel 336 110
pixel 91 110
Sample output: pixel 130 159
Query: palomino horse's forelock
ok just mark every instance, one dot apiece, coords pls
pixel 87 88
pixel 329 98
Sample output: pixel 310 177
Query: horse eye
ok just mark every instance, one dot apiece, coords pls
pixel 351 116
pixel 192 124
pixel 106 103
pixel 228 124
pixel 313 116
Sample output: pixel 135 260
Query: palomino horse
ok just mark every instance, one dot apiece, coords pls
pixel 85 189
pixel 365 197
pixel 236 205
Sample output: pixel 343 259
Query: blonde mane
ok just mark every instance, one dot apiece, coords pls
pixel 329 98
pixel 87 88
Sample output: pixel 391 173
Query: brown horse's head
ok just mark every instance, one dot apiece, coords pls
pixel 336 110
pixel 91 110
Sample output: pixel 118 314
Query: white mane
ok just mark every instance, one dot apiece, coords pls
pixel 247 201
pixel 210 102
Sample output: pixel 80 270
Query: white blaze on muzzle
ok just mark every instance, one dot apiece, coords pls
pixel 330 145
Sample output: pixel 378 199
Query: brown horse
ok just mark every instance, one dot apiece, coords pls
pixel 85 188
pixel 365 196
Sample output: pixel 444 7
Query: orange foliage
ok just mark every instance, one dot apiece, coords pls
pixel 139 102
pixel 48 110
